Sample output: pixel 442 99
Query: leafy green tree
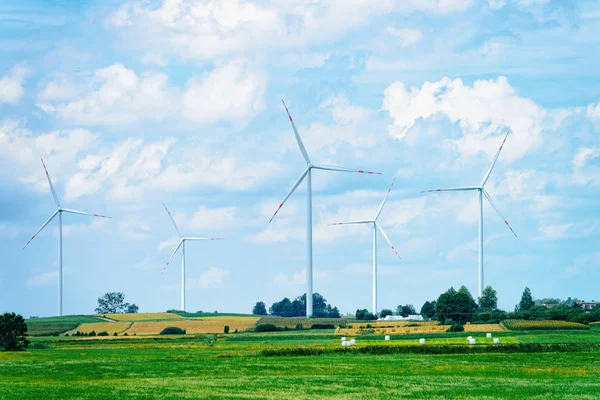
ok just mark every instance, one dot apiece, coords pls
pixel 456 306
pixel 385 312
pixel 526 300
pixel 13 331
pixel 488 299
pixel 407 310
pixel 364 315
pixel 114 303
pixel 259 308
pixel 297 308
pixel 428 310
pixel 132 309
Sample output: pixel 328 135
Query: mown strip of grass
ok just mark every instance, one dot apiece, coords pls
pixel 437 349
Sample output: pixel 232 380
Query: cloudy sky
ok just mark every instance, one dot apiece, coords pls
pixel 132 104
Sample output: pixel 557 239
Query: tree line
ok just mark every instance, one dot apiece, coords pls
pixel 297 308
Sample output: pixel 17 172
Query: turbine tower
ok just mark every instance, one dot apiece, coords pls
pixel 59 211
pixel 481 192
pixel 375 227
pixel 307 174
pixel 182 245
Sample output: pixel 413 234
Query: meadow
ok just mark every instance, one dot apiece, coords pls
pixel 239 366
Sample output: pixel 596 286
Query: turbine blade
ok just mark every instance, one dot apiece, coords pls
pixel 83 213
pixel 498 211
pixel 387 239
pixel 351 223
pixel 172 220
pixel 170 258
pixel 489 170
pixel 43 226
pixel 198 238
pixel 344 169
pixel 384 199
pixel 298 139
pixel 291 191
pixel 456 189
pixel 51 186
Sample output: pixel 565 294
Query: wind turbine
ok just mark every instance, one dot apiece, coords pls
pixel 375 227
pixel 482 192
pixel 59 211
pixel 307 174
pixel 182 245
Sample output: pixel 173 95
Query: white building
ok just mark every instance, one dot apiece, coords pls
pixel 401 318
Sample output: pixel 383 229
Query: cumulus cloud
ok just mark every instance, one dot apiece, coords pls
pixel 483 111
pixel 117 95
pixel 42 280
pixel 205 29
pixel 406 36
pixel 11 84
pixel 211 278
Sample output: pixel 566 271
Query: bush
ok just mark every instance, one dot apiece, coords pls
pixel 115 334
pixel 299 326
pixel 125 334
pixel 456 328
pixel 322 326
pixel 13 330
pixel 172 330
pixel 92 333
pixel 385 312
pixel 236 331
pixel 267 328
pixel 103 333
pixel 226 329
pixel 39 345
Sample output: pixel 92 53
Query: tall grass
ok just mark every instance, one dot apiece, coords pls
pixel 523 325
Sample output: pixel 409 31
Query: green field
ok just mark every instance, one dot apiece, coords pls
pixel 235 366
pixel 56 325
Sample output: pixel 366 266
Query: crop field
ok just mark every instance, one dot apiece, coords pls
pixel 194 326
pixel 365 330
pixel 274 365
pixel 109 327
pixel 484 328
pixel 521 325
pixel 142 316
pixel 306 323
pixel 57 325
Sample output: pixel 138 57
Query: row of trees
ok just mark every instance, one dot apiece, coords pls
pixel 297 307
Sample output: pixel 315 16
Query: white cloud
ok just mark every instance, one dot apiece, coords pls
pixel 43 279
pixel 483 111
pixel 211 278
pixel 297 278
pixel 211 219
pixel 117 95
pixel 168 244
pixel 554 231
pixel 11 84
pixel 154 59
pixel 406 36
pixel 210 28
pixel 584 155
pixel 231 91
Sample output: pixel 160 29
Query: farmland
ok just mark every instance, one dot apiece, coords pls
pixel 519 325
pixel 236 366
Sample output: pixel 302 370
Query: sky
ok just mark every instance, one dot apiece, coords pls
pixel 132 104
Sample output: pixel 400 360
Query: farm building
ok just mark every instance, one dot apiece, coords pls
pixel 401 318
pixel 587 305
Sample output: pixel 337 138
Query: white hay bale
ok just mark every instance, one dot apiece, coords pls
pixel 489 335
pixel 496 340
pixel 422 341
pixel 387 337
pixel 469 338
pixel 353 341
pixel 345 344
pixel 343 338
pixel 472 341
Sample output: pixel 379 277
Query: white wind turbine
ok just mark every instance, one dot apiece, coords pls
pixel 307 174
pixel 182 245
pixel 59 211
pixel 375 227
pixel 482 192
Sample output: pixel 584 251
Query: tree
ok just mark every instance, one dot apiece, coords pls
pixel 259 308
pixel 456 306
pixel 428 310
pixel 526 300
pixel 364 315
pixel 488 299
pixel 385 312
pixel 114 303
pixel 132 309
pixel 297 308
pixel 407 310
pixel 13 330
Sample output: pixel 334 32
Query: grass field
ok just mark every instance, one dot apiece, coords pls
pixel 110 327
pixel 234 367
pixel 57 325
pixel 201 325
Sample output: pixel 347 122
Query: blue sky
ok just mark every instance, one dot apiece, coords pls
pixel 132 104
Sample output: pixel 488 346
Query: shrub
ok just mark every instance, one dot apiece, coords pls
pixel 92 333
pixel 364 315
pixel 210 340
pixel 456 327
pixel 322 326
pixel 236 331
pixel 226 329
pixel 66 334
pixel 172 330
pixel 115 334
pixel 125 334
pixel 385 312
pixel 103 333
pixel 39 345
pixel 267 328
pixel 299 326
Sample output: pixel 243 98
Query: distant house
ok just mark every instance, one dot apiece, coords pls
pixel 587 305
pixel 401 318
